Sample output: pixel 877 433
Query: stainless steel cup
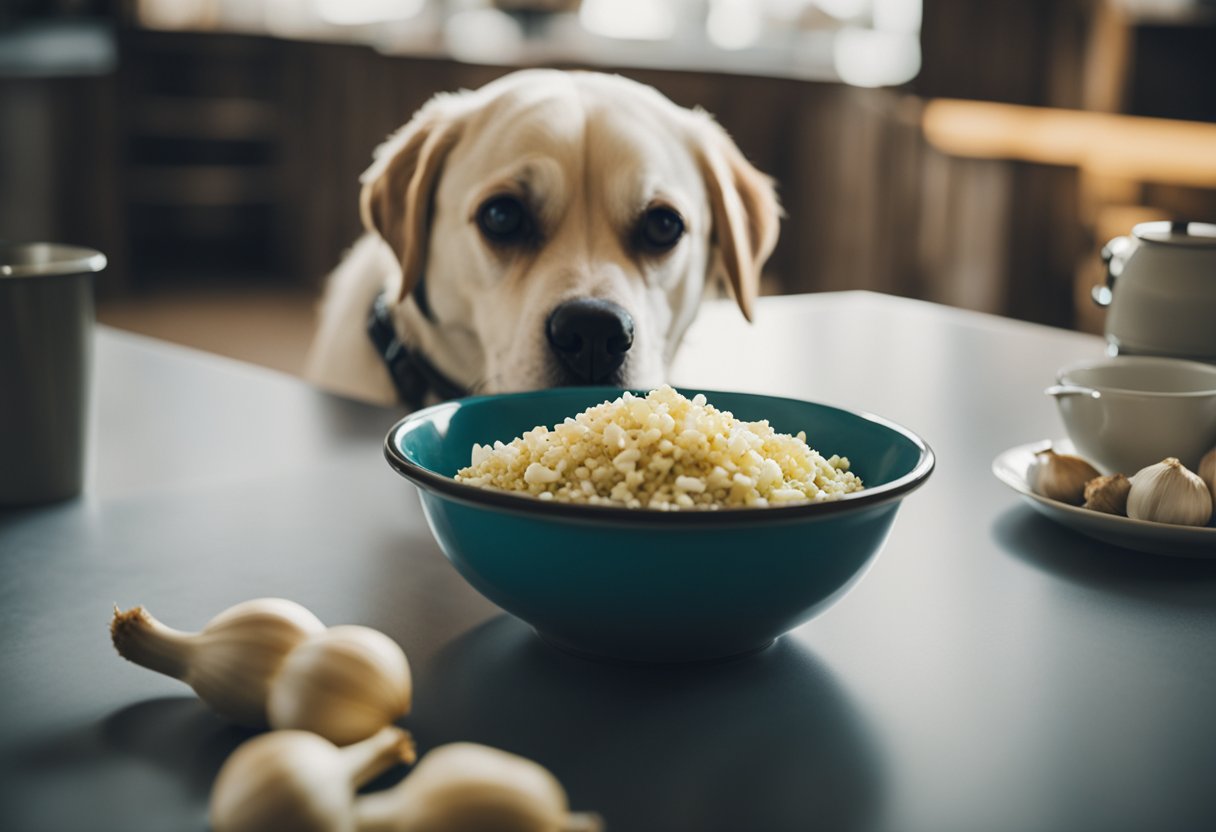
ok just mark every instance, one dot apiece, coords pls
pixel 46 345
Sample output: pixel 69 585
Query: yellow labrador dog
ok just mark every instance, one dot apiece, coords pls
pixel 551 228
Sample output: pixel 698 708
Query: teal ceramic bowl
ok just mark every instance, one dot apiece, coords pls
pixel 648 585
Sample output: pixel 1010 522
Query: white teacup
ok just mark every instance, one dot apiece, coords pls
pixel 1125 413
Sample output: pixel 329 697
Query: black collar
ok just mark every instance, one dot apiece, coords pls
pixel 412 374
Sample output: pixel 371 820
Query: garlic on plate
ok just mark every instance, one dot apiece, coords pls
pixel 1060 476
pixel 270 661
pixel 295 780
pixel 1107 494
pixel 1207 471
pixel 1168 493
pixel 466 787
pixel 344 684
pixel 230 662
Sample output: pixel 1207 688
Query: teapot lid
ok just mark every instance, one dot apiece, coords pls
pixel 1177 233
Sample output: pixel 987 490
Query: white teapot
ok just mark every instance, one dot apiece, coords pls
pixel 1161 291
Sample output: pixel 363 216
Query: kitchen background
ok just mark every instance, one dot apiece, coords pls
pixel 976 153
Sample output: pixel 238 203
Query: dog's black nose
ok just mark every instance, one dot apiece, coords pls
pixel 591 336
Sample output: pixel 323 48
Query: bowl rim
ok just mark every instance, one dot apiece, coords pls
pixel 516 503
pixel 1200 368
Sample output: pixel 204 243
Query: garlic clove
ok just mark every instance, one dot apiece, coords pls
pixel 295 780
pixel 466 787
pixel 345 684
pixel 1207 471
pixel 1060 476
pixel 230 662
pixel 1168 493
pixel 1108 494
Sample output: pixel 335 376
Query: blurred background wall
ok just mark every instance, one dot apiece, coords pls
pixel 972 152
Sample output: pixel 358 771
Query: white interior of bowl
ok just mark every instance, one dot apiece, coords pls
pixel 1161 376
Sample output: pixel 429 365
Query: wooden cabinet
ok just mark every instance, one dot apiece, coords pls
pixel 236 158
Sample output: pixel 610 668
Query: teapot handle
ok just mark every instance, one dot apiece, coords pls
pixel 1114 255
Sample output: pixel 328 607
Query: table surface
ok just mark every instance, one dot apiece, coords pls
pixel 993 671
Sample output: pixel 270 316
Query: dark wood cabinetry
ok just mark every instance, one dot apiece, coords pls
pixel 225 157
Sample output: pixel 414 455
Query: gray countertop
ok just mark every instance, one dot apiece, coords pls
pixel 993 671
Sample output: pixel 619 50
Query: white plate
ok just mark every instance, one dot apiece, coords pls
pixel 1157 538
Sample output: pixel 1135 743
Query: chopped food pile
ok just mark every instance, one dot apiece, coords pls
pixel 661 451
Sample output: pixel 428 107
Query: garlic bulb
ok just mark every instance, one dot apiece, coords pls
pixel 344 684
pixel 294 780
pixel 1168 493
pixel 1107 494
pixel 1207 471
pixel 230 662
pixel 1060 476
pixel 465 787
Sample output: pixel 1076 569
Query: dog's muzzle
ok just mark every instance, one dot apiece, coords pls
pixel 590 336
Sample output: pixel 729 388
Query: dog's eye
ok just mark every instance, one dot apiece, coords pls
pixel 661 229
pixel 503 219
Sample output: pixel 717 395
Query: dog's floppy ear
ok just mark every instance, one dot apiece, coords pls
pixel 399 186
pixel 746 213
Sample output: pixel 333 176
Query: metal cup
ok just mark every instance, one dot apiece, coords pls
pixel 46 345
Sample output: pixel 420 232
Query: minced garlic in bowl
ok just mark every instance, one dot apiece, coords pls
pixel 661 451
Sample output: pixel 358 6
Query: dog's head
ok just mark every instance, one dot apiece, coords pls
pixel 558 228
